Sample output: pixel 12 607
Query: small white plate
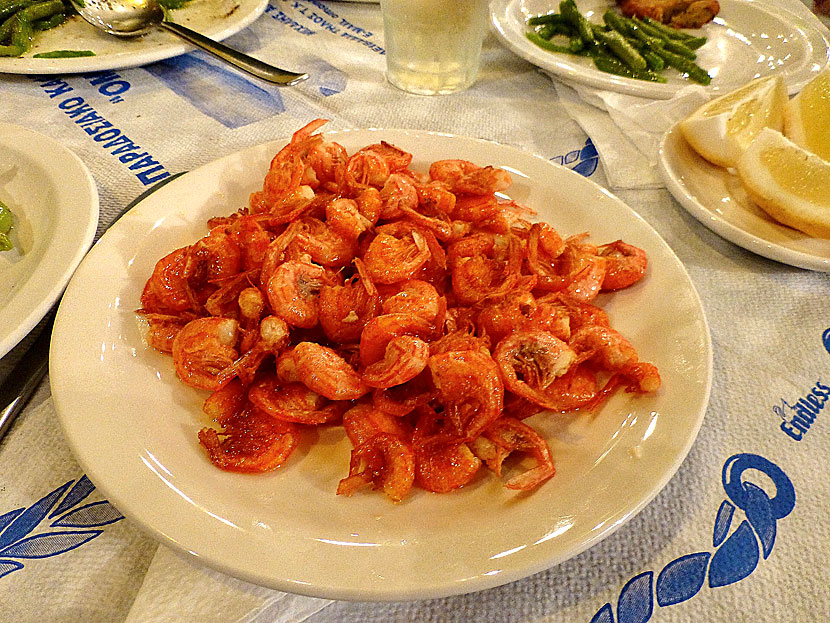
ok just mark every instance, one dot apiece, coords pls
pixel 54 201
pixel 216 19
pixel 135 433
pixel 746 40
pixel 716 198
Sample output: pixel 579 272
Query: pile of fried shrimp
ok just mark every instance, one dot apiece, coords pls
pixel 422 312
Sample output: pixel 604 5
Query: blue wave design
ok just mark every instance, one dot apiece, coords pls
pixel 681 579
pixel 635 603
pixel 49 544
pixel 17 540
pixel 759 513
pixel 7 566
pixel 825 339
pixel 586 159
pixel 76 495
pixel 604 615
pixel 31 517
pixel 722 522
pixel 735 559
pixel 89 516
pixel 9 517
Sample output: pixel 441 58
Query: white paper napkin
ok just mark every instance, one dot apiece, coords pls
pixel 177 589
pixel 627 129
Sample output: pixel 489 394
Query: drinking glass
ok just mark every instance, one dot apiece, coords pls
pixel 433 47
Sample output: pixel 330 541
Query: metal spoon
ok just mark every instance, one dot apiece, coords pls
pixel 130 18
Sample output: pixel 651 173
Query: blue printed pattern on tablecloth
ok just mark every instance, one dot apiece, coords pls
pixel 735 557
pixel 55 524
pixel 195 80
pixel 583 160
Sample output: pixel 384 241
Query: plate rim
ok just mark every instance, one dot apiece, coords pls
pixel 721 226
pixel 421 591
pixel 47 297
pixel 499 10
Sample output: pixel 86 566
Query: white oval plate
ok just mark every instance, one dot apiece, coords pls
pixel 54 201
pixel 716 198
pixel 746 40
pixel 216 19
pixel 135 431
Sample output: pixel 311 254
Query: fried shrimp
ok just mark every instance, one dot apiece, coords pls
pixel 419 312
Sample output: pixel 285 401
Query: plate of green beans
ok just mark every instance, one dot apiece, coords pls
pixel 49 37
pixel 591 42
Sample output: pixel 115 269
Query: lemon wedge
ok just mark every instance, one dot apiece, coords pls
pixel 723 128
pixel 789 183
pixel 807 116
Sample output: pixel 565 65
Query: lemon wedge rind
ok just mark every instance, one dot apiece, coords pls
pixel 789 183
pixel 807 116
pixel 722 129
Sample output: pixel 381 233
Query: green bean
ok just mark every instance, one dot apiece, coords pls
pixel 568 9
pixel 50 22
pixel 623 46
pixel 6 29
pixel 41 10
pixel 675 46
pixel 684 65
pixel 638 39
pixel 613 66
pixel 65 54
pixel 620 46
pixel 20 37
pixel 546 31
pixel 672 39
pixel 17 32
pixel 649 30
pixel 546 44
pixel 694 43
pixel 672 45
pixel 563 29
pixel 21 30
pixel 10 7
pixel 638 33
pixel 547 18
pixel 668 31
pixel 655 61
pixel 6 221
pixel 616 22
pixel 577 44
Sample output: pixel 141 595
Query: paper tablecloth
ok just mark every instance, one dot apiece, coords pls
pixel 699 551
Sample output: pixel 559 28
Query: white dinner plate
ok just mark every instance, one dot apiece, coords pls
pixel 716 198
pixel 133 426
pixel 216 19
pixel 746 40
pixel 54 201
